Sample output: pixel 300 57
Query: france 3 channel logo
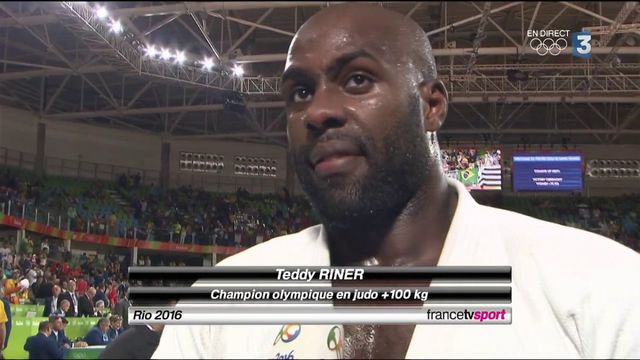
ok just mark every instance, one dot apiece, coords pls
pixel 581 42
pixel 553 42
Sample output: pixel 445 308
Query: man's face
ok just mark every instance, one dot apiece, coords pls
pixel 104 326
pixel 117 324
pixel 57 324
pixel 56 291
pixel 65 306
pixel 354 122
pixel 72 286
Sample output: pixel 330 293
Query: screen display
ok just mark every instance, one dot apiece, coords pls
pixel 547 171
pixel 477 169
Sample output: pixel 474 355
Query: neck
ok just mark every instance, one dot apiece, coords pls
pixel 414 237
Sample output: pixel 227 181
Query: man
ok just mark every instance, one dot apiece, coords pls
pixel 115 327
pixel 122 288
pixel 139 342
pixel 64 286
pixel 100 309
pixel 97 335
pixel 58 323
pixel 36 288
pixel 41 346
pixel 51 303
pixel 101 295
pixel 363 105
pixel 64 309
pixel 85 303
pixel 122 309
pixel 57 332
pixel 46 289
pixel 31 275
pixel 72 297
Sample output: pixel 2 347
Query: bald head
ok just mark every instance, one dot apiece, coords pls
pixel 400 40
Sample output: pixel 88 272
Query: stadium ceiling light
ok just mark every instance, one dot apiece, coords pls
pixel 238 70
pixel 151 51
pixel 207 64
pixel 165 54
pixel 116 26
pixel 180 58
pixel 102 12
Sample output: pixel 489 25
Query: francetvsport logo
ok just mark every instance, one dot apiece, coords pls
pixel 554 42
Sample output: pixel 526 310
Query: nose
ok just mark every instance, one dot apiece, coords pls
pixel 325 112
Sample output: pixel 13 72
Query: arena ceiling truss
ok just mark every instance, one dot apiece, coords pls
pixel 67 61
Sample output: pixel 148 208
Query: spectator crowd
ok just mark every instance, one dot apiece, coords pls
pixel 65 286
pixel 129 209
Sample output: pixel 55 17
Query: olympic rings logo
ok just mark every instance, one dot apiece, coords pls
pixel 548 46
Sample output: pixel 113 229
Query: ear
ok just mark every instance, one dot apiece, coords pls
pixel 435 102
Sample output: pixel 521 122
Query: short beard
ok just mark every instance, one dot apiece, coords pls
pixel 397 171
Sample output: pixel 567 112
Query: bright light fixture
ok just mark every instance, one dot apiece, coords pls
pixel 116 27
pixel 165 54
pixel 207 64
pixel 151 51
pixel 238 70
pixel 180 58
pixel 102 12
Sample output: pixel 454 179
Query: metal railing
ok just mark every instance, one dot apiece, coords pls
pixel 481 84
pixel 106 172
pixel 75 168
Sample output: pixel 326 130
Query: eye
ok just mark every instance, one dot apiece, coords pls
pixel 300 94
pixel 358 81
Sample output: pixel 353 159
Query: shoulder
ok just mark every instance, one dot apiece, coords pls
pixel 589 281
pixel 279 250
pixel 560 248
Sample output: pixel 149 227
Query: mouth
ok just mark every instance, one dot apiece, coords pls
pixel 334 157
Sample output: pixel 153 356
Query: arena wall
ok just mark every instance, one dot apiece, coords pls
pixel 74 149
pixel 79 142
pixel 115 151
pixel 18 130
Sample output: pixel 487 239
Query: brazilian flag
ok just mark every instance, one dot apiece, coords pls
pixel 468 177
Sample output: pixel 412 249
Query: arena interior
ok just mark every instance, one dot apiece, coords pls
pixel 153 133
